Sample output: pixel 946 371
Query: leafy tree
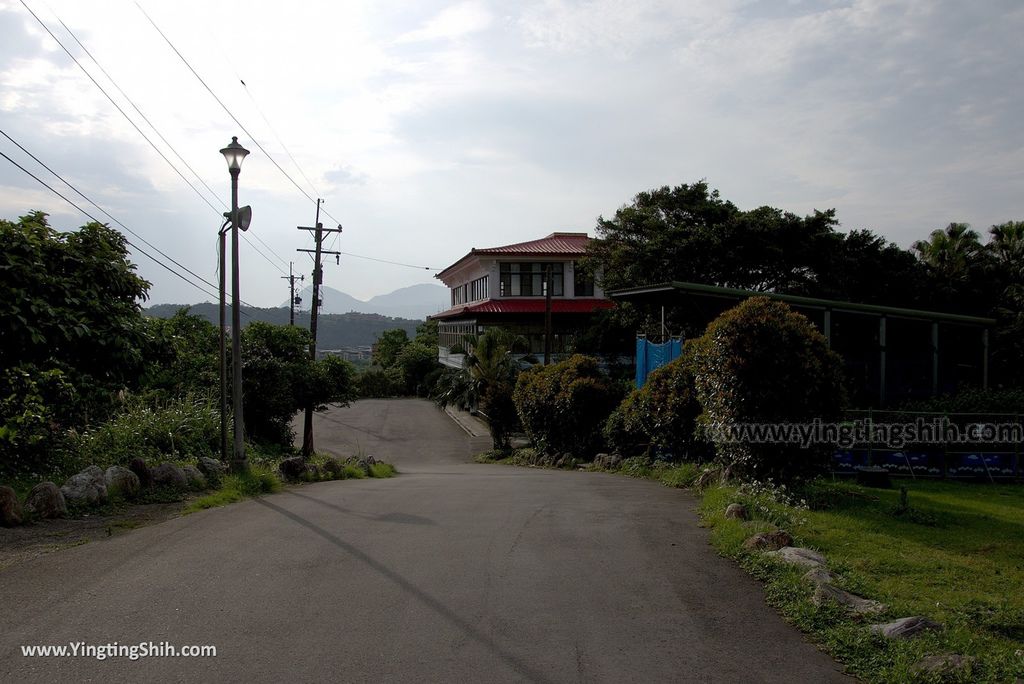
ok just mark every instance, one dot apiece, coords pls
pixel 279 379
pixel 416 362
pixel 860 266
pixel 388 346
pixel 70 301
pixel 426 334
pixel 1006 250
pixel 665 234
pixel 71 334
pixel 181 354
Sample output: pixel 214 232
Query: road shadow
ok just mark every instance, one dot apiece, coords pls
pixel 524 670
pixel 401 518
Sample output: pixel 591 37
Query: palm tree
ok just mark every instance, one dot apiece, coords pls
pixel 488 381
pixel 951 253
pixel 1007 244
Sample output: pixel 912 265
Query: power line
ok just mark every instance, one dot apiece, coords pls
pixel 82 195
pixel 394 263
pixel 83 211
pixel 229 112
pixel 114 219
pixel 116 106
pixel 136 108
pixel 152 126
pixel 278 137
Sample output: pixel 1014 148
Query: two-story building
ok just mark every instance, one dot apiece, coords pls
pixel 504 287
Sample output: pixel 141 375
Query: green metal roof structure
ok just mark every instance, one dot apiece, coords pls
pixel 646 291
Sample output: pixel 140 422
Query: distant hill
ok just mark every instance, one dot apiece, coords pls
pixel 350 329
pixel 413 302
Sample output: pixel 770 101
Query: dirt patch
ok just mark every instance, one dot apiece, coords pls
pixel 19 544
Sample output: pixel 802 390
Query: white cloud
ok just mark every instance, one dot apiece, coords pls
pixel 450 23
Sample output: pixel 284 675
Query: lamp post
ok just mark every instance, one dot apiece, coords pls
pixel 234 154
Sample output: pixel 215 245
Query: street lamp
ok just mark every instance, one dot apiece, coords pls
pixel 235 154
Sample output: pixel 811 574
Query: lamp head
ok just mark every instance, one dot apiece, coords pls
pixel 234 154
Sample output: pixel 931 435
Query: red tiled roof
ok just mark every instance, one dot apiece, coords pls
pixel 556 244
pixel 526 306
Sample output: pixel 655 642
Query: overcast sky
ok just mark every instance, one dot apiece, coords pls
pixel 431 127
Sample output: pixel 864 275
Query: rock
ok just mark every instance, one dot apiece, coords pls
pixel 10 508
pixel 825 592
pixel 121 481
pixel 736 511
pixel 946 664
pixel 334 468
pixel 364 465
pixel 169 475
pixel 905 628
pixel 798 556
pixel 87 487
pixel 371 460
pixel 142 471
pixel 196 480
pixel 819 575
pixel 293 468
pixel 45 501
pixel 211 468
pixel 768 541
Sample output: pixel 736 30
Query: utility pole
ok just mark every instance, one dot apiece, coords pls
pixel 223 350
pixel 318 278
pixel 547 314
pixel 291 288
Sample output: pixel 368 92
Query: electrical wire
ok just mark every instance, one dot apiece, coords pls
pixel 104 211
pixel 152 126
pixel 116 106
pixel 228 111
pixel 83 211
pixel 394 263
pixel 115 220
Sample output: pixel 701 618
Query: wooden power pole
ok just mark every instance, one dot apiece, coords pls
pixel 291 289
pixel 318 277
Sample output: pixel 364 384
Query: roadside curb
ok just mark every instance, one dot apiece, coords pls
pixel 473 427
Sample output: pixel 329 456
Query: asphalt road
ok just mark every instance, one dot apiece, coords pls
pixel 450 572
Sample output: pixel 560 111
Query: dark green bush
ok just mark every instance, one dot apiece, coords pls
pixel 563 406
pixel 165 429
pixel 973 401
pixel 662 413
pixel 379 383
pixel 760 362
pixel 30 430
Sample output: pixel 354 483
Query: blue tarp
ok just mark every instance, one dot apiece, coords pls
pixel 651 356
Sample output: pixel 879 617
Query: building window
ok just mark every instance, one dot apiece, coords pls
pixel 478 289
pixel 582 284
pixel 470 292
pixel 454 334
pixel 527 279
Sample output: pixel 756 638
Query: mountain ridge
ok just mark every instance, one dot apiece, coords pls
pixel 412 302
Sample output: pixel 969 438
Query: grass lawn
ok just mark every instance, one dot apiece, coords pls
pixel 956 555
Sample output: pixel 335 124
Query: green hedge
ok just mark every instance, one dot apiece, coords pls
pixel 662 413
pixel 761 362
pixel 563 406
